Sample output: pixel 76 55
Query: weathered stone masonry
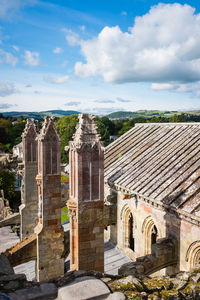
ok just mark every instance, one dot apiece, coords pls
pixel 49 231
pixel 29 206
pixel 86 201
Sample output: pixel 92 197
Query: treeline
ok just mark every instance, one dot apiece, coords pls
pixel 10 132
pixel 11 128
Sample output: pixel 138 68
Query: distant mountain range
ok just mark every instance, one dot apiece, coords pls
pixel 115 115
pixel 41 114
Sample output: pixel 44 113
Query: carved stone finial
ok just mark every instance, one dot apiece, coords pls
pixel 86 130
pixel 48 122
pixel 30 123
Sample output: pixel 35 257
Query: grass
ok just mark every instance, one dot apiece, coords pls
pixel 64 214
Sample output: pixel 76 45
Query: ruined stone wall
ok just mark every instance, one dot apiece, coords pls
pixel 50 236
pixel 29 208
pixel 86 203
pixel 168 223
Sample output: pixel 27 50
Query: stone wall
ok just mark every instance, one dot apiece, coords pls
pixel 29 207
pixel 50 235
pixel 168 224
pixel 86 203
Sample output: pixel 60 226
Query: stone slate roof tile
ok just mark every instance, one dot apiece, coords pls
pixel 159 161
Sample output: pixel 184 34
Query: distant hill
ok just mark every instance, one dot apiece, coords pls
pixel 41 114
pixel 149 114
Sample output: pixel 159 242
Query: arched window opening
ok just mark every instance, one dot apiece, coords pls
pixel 131 238
pixel 154 234
pixel 128 230
pixel 197 259
pixel 193 255
pixel 151 234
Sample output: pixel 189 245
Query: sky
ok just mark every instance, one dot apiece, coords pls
pixel 99 56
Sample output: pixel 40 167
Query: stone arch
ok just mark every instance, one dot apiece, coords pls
pixel 151 233
pixel 193 255
pixel 129 226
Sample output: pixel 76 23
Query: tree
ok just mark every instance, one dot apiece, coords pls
pixel 66 127
pixel 7 183
pixel 126 126
pixel 105 127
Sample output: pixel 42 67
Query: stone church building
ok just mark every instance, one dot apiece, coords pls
pixel 152 175
pixel 141 192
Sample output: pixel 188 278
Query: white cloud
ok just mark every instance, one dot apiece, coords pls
pixel 31 58
pixel 72 37
pixel 8 58
pixel 162 46
pixel 192 88
pixel 7 88
pixel 57 50
pixel 8 8
pixel 16 48
pixel 162 86
pixel 59 80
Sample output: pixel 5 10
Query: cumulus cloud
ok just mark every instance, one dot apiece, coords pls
pixel 59 80
pixel 8 58
pixel 162 46
pixel 7 88
pixel 72 37
pixel 73 103
pixel 31 58
pixel 57 50
pixel 162 86
pixel 8 8
pixel 192 88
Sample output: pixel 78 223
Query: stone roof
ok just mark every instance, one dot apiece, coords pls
pixel 158 161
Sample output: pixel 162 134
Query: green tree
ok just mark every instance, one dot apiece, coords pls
pixel 105 127
pixel 126 126
pixel 7 183
pixel 66 127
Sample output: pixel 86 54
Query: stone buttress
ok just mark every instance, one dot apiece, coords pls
pixel 86 202
pixel 29 206
pixel 50 236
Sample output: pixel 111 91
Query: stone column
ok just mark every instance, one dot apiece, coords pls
pixel 29 207
pixel 50 236
pixel 86 200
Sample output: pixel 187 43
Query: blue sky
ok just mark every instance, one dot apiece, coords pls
pixel 99 56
